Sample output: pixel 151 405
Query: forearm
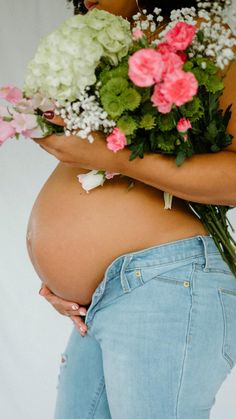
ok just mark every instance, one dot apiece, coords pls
pixel 203 178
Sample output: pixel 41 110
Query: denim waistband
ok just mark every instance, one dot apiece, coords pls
pixel 162 254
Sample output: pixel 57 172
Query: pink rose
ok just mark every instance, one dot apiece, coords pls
pixel 179 87
pixel 137 34
pixel 11 94
pixel 181 35
pixel 183 125
pixel 145 67
pixel 6 131
pixel 22 123
pixel 159 100
pixel 116 140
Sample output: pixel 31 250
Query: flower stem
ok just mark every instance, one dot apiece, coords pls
pixel 216 222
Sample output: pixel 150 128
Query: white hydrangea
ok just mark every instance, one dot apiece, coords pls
pixel 66 59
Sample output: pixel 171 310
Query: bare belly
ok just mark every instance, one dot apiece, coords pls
pixel 73 236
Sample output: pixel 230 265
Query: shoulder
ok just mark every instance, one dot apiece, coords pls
pixel 229 97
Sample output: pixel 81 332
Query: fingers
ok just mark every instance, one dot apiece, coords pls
pixel 80 325
pixel 54 119
pixel 66 308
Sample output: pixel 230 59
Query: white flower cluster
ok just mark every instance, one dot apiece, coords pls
pixel 66 59
pixel 84 116
pixel 148 21
pixel 218 40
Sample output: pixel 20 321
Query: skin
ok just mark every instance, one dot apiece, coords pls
pixel 122 8
pixel 157 170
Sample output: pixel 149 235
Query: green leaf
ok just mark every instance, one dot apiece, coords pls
pixel 180 158
pixel 200 35
pixel 215 148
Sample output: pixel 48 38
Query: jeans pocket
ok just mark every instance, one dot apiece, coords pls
pixel 228 304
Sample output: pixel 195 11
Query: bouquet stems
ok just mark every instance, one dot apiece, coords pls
pixel 215 220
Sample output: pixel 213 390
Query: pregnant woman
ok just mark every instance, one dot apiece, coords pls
pixel 159 336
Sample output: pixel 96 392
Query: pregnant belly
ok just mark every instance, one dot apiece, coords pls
pixel 73 236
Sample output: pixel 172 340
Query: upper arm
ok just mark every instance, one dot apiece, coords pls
pixel 229 97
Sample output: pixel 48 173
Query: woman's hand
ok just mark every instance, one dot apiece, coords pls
pixel 77 152
pixel 67 308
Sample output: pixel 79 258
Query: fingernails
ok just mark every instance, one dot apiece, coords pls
pixel 82 312
pixel 75 307
pixel 83 329
pixel 41 291
pixel 49 114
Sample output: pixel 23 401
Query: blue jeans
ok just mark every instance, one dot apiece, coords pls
pixel 161 337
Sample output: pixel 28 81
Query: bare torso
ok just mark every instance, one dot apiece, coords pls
pixel 73 236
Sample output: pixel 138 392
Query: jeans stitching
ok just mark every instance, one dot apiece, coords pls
pixel 95 401
pixel 186 343
pixel 168 263
pixel 228 359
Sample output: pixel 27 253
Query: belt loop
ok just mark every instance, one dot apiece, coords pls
pixel 124 282
pixel 205 247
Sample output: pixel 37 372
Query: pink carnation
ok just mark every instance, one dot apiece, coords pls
pixel 179 87
pixel 6 131
pixel 182 55
pixel 145 67
pixel 165 48
pixel 11 94
pixel 181 35
pixel 159 100
pixel 172 62
pixel 116 140
pixel 183 125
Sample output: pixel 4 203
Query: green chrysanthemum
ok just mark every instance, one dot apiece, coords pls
pixel 109 72
pixel 165 142
pixel 113 105
pixel 147 122
pixel 214 84
pixel 166 122
pixel 127 124
pixel 193 109
pixel 131 99
pixel 115 86
pixel 200 75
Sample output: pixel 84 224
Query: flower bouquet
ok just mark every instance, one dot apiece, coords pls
pixel 159 96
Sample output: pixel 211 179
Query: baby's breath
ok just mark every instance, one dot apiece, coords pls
pixel 85 115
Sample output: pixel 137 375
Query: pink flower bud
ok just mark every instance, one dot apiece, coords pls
pixel 110 175
pixel 183 125
pixel 137 34
pixel 116 140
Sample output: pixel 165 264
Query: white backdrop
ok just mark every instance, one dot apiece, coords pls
pixel 33 335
